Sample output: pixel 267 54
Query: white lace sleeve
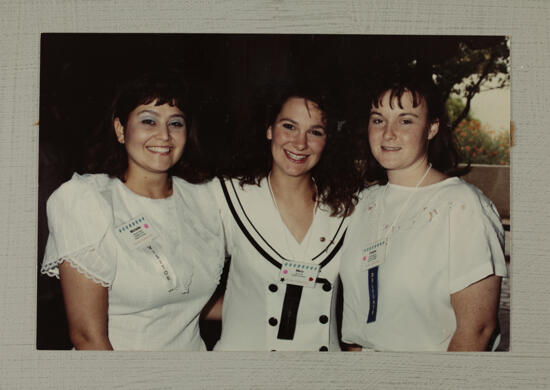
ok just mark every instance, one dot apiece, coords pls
pixel 87 262
pixel 78 222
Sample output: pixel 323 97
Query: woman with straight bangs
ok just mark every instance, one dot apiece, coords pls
pixel 423 259
pixel 138 249
pixel 285 216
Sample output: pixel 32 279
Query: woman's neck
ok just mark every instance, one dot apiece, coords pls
pixel 289 188
pixel 414 175
pixel 155 186
pixel 294 199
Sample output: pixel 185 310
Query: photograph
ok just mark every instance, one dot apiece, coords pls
pixel 274 192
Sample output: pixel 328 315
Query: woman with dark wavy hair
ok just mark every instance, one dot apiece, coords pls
pixel 138 249
pixel 285 217
pixel 423 258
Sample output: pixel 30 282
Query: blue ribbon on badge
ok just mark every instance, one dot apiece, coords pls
pixel 373 294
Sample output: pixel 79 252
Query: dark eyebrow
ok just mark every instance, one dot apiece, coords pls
pixel 156 114
pixel 409 113
pixel 287 119
pixel 317 126
pixel 148 111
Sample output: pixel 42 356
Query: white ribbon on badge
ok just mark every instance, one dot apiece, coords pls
pixel 154 251
pixel 139 234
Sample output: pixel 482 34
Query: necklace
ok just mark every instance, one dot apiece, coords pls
pixel 390 230
pixel 304 244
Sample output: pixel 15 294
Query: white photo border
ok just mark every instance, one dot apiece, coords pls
pixel 22 366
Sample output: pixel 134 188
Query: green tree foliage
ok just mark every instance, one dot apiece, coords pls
pixel 477 143
pixel 455 107
pixel 472 70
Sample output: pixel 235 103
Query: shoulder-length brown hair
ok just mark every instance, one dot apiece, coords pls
pixel 107 155
pixel 442 151
pixel 335 174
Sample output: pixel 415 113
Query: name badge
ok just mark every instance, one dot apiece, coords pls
pixel 374 255
pixel 139 234
pixel 300 274
pixel 136 233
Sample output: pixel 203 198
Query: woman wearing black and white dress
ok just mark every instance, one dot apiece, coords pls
pixel 285 216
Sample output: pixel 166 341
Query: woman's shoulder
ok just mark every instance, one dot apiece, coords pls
pixel 457 191
pixel 82 200
pixel 366 200
pixel 238 186
pixel 462 197
pixel 79 209
pixel 369 193
pixel 371 189
pixel 197 195
pixel 81 187
pixel 196 189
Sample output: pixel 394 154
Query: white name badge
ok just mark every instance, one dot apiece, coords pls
pixel 374 255
pixel 136 233
pixel 301 274
pixel 139 234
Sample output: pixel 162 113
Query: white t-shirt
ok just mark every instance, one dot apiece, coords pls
pixel 154 302
pixel 447 237
pixel 254 302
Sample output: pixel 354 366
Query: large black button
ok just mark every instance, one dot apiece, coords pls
pixel 273 287
pixel 323 319
pixel 273 321
pixel 323 349
pixel 327 286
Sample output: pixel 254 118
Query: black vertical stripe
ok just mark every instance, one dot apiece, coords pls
pixel 289 313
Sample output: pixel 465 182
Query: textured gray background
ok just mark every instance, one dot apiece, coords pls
pixel 22 367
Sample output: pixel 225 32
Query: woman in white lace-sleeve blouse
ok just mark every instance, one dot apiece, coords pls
pixel 423 260
pixel 139 251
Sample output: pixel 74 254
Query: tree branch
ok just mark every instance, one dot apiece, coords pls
pixel 472 91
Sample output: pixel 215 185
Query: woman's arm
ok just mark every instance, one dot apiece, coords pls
pixel 86 303
pixel 351 347
pixel 213 309
pixel 475 309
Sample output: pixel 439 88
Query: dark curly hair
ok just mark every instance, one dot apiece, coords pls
pixel 107 155
pixel 442 152
pixel 336 178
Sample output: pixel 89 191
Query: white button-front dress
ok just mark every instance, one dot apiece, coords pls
pixel 260 312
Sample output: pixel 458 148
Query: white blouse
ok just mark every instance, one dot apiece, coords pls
pixel 448 237
pixel 154 298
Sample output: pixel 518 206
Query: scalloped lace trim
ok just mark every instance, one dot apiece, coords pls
pixel 52 270
pixel 219 270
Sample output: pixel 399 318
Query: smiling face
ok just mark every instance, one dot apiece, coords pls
pixel 298 137
pixel 154 138
pixel 399 135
